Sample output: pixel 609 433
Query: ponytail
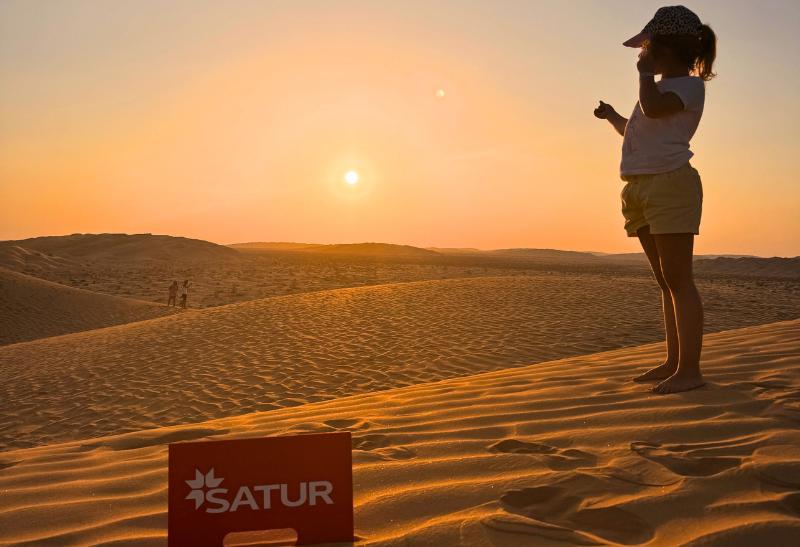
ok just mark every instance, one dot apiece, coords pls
pixel 706 53
pixel 696 51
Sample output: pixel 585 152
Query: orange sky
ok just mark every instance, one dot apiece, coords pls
pixel 237 121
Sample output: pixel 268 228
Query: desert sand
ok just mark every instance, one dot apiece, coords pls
pixel 481 410
pixel 563 452
pixel 116 247
pixel 775 267
pixel 141 266
pixel 32 308
pixel 297 349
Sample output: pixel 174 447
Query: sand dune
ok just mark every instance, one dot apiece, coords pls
pixel 565 452
pixel 271 246
pixel 382 250
pixel 20 259
pixel 455 250
pixel 547 254
pixel 126 247
pixel 292 350
pixel 776 267
pixel 376 250
pixel 142 267
pixel 32 308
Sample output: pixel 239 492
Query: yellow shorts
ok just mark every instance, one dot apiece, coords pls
pixel 670 203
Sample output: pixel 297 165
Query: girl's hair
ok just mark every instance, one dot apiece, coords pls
pixel 698 52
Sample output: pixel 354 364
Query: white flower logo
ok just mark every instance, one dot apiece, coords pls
pixel 199 484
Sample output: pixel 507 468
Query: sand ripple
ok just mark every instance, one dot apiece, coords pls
pixel 563 452
pixel 292 350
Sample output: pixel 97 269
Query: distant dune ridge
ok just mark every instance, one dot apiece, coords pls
pixel 455 250
pixel 373 249
pixel 126 247
pixel 776 267
pixel 385 250
pixel 567 452
pixel 50 252
pixel 548 254
pixel 737 265
pixel 32 308
pixel 272 245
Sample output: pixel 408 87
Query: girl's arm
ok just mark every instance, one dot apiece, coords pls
pixel 607 112
pixel 654 103
pixel 618 122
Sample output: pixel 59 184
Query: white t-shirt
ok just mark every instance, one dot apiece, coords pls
pixel 659 145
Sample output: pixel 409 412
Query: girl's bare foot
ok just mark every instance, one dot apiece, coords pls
pixel 661 372
pixel 680 381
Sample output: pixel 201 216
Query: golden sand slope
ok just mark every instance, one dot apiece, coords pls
pixel 32 308
pixel 20 259
pixel 564 452
pixel 292 350
pixel 126 247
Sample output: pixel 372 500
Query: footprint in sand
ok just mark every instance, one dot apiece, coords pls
pixel 786 407
pixel 379 447
pixel 516 524
pixel 515 446
pixel 778 465
pixel 638 471
pixel 367 447
pixel 348 424
pixel 555 506
pixel 683 462
pixel 371 441
pixel 555 458
pixel 792 502
pixel 387 454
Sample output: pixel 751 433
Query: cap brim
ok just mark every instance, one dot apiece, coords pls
pixel 637 41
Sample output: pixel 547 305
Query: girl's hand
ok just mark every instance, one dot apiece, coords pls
pixel 604 111
pixel 646 62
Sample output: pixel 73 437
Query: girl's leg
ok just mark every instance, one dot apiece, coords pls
pixel 675 257
pixel 670 364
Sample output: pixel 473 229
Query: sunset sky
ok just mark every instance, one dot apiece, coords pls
pixel 469 124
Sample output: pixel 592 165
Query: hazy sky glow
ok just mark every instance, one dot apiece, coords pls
pixel 237 121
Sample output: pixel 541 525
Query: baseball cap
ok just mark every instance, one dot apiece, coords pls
pixel 668 20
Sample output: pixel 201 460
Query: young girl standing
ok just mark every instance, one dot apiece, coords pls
pixel 663 197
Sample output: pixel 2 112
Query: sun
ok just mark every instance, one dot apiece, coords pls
pixel 351 178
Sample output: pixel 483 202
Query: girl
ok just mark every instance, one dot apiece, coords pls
pixel 663 197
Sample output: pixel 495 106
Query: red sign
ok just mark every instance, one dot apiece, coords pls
pixel 302 482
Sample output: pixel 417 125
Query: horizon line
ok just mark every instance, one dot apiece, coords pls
pixel 362 242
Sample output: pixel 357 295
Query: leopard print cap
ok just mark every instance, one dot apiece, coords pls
pixel 674 20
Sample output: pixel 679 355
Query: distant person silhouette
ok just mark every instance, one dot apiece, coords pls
pixel 663 198
pixel 173 294
pixel 184 292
